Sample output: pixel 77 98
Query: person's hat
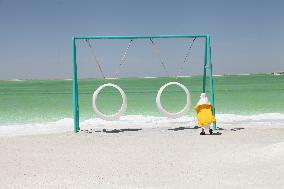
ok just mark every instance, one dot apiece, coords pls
pixel 203 99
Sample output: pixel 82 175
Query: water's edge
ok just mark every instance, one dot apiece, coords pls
pixel 136 121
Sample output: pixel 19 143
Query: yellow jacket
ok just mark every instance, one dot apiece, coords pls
pixel 204 115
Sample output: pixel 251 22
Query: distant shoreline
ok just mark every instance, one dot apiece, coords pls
pixel 146 77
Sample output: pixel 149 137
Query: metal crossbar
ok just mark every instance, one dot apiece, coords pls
pixel 141 37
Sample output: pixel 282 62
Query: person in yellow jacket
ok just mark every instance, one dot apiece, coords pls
pixel 204 114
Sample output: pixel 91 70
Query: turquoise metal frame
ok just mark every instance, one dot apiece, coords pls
pixel 207 64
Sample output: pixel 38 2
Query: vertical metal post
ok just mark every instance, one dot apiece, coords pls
pixel 211 79
pixel 75 89
pixel 204 66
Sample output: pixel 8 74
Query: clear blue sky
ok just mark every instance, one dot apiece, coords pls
pixel 35 35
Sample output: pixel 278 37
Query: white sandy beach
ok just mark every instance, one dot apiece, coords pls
pixel 248 157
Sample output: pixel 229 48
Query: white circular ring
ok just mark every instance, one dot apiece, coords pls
pixel 170 114
pixel 118 114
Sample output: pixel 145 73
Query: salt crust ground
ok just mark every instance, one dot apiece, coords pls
pixel 241 157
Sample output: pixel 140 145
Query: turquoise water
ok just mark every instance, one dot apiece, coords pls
pixel 33 101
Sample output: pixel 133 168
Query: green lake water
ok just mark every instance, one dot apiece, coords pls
pixel 31 101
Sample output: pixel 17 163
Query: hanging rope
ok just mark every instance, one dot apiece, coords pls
pixel 186 58
pixel 158 54
pixel 123 58
pixel 95 58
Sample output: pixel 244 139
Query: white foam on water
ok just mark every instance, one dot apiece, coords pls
pixel 218 75
pixel 251 119
pixel 134 121
pixel 244 74
pixel 111 78
pixel 184 76
pixel 16 80
pixel 138 121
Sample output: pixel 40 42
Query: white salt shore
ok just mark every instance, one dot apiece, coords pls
pixel 243 156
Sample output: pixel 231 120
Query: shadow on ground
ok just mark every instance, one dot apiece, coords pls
pixel 139 129
pixel 182 128
pixel 109 131
pixel 237 129
pixel 218 133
